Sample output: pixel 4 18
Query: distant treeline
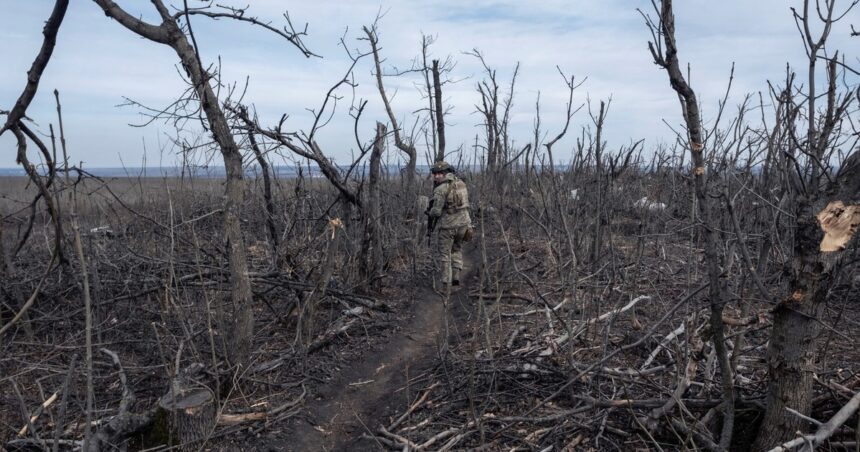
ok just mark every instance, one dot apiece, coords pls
pixel 285 171
pixel 281 171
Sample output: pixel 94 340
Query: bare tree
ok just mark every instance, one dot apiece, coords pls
pixel 15 124
pixel 170 33
pixel 664 50
pixel 267 188
pixel 598 146
pixel 496 113
pixel 440 113
pixel 371 248
pixel 811 186
pixel 407 147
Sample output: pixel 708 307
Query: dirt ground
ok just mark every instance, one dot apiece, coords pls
pixel 472 371
pixel 378 383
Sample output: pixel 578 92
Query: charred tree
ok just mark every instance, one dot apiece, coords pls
pixel 496 115
pixel 170 33
pixel 268 198
pixel 371 248
pixel 792 349
pixel 407 147
pixel 14 123
pixel 665 54
pixel 597 244
pixel 440 114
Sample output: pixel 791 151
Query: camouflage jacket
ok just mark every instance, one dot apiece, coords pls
pixel 451 203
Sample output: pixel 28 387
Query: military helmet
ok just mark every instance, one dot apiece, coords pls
pixel 441 167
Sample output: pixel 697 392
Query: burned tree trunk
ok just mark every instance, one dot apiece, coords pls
pixel 440 114
pixel 667 58
pixel 15 124
pixel 190 416
pixel 597 245
pixel 792 349
pixel 407 148
pixel 371 248
pixel 170 33
pixel 267 197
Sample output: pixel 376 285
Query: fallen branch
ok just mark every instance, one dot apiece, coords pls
pixel 38 412
pixel 28 443
pixel 227 419
pixel 614 312
pixel 537 311
pixel 511 295
pixel 408 445
pixel 809 442
pixel 582 326
pixel 600 362
pixel 124 423
pixel 329 335
pixel 33 297
pixel 513 336
pixel 669 338
pixel 235 419
pixel 695 345
pixel 703 439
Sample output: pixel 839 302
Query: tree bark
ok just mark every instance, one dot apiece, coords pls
pixel 791 366
pixel 269 200
pixel 170 33
pixel 406 148
pixel 717 284
pixel 372 244
pixel 18 112
pixel 792 348
pixel 440 114
pixel 191 415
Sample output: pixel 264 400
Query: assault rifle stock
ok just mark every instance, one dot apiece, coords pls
pixel 431 222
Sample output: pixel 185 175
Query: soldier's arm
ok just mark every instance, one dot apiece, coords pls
pixel 438 200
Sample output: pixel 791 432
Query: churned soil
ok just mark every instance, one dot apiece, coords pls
pixel 341 414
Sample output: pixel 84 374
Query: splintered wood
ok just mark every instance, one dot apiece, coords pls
pixel 839 223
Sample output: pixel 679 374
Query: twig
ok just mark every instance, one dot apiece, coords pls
pixel 662 345
pixel 626 307
pixel 599 362
pixel 403 441
pixel 413 407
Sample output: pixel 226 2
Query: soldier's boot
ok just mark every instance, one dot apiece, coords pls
pixel 444 290
pixel 455 284
pixel 455 278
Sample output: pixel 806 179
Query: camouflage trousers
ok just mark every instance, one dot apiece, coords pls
pixel 451 255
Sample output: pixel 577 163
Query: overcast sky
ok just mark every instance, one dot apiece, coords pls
pixel 97 63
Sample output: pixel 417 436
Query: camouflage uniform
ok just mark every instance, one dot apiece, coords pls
pixel 451 207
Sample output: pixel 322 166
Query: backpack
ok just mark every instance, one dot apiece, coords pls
pixel 457 197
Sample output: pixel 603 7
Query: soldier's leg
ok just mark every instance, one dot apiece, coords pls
pixel 446 242
pixel 457 254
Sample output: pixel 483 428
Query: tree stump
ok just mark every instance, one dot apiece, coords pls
pixel 191 414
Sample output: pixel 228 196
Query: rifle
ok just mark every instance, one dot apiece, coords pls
pixel 431 222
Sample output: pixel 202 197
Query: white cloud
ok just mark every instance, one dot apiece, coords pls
pixel 97 62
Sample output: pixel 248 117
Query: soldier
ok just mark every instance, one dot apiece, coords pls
pixel 450 210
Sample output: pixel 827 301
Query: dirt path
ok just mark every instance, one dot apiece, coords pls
pixel 374 387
